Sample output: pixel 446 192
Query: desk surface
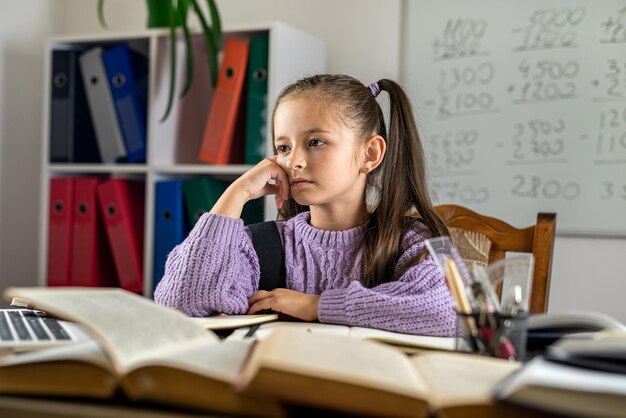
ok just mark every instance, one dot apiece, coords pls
pixel 37 407
pixel 31 407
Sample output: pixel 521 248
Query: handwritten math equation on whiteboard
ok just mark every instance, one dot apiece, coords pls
pixel 523 106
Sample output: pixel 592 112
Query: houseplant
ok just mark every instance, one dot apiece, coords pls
pixel 173 14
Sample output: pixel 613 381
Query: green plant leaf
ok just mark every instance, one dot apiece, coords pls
pixel 101 19
pixel 172 27
pixel 209 42
pixel 216 21
pixel 182 12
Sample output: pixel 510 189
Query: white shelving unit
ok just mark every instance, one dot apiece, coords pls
pixel 173 144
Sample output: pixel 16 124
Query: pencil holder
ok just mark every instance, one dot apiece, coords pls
pixel 493 334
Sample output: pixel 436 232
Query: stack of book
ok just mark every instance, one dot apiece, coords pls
pixel 186 365
pixel 283 366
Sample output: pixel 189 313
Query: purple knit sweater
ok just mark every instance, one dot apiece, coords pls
pixel 216 269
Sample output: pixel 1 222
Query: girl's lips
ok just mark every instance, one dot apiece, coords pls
pixel 300 183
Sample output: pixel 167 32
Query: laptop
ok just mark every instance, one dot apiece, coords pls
pixel 29 329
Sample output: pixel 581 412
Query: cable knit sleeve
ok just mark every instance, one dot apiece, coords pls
pixel 419 302
pixel 215 269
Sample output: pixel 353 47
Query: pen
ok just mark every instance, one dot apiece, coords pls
pixel 251 331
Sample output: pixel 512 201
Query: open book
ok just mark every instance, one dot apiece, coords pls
pixel 147 351
pixel 559 388
pixel 405 342
pixel 548 328
pixel 604 351
pixel 364 377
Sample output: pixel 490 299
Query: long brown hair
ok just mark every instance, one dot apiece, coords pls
pixel 399 181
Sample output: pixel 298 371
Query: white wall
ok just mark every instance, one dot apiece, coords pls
pixel 590 274
pixel 363 35
pixel 24 26
pixel 363 38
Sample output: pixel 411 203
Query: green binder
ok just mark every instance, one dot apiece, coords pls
pixel 200 194
pixel 256 112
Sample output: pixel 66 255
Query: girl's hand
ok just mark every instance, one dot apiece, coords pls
pixel 256 181
pixel 252 185
pixel 298 305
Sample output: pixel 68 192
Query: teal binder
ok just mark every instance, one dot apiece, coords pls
pixel 256 112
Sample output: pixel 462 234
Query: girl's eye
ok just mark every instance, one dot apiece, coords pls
pixel 315 143
pixel 281 149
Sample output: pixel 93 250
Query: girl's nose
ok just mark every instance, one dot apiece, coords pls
pixel 296 160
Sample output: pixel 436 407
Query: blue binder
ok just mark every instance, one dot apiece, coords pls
pixel 169 223
pixel 72 136
pixel 127 74
pixel 61 107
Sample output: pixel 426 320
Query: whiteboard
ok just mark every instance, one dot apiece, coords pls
pixel 522 107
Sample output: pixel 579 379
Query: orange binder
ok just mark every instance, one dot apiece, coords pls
pixel 219 143
pixel 91 259
pixel 60 231
pixel 121 206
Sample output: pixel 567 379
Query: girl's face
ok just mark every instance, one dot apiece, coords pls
pixel 320 156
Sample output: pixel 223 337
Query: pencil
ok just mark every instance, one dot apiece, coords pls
pixel 459 294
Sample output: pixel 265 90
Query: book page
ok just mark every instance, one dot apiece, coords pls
pixel 340 359
pixel 233 321
pixel 407 340
pixel 221 362
pixel 546 374
pixel 265 330
pixel 130 326
pixel 80 369
pixel 459 378
pixel 608 345
pixel 87 351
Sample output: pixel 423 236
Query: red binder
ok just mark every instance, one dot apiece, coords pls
pixel 121 206
pixel 91 259
pixel 220 143
pixel 60 231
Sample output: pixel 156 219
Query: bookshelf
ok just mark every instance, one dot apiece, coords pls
pixel 173 144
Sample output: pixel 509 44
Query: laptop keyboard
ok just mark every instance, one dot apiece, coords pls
pixel 25 325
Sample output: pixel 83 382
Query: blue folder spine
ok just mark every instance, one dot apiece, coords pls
pixel 72 135
pixel 127 74
pixel 61 106
pixel 169 223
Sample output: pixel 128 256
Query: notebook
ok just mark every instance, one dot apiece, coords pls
pixel 27 329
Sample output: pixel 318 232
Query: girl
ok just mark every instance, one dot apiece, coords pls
pixel 345 264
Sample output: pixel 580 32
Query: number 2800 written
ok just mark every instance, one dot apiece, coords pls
pixel 535 187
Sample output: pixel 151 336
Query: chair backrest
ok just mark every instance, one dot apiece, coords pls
pixel 537 239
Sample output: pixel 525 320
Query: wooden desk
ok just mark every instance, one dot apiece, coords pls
pixel 32 407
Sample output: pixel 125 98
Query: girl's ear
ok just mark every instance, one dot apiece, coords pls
pixel 374 150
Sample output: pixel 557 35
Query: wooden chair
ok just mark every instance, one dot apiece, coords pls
pixel 537 239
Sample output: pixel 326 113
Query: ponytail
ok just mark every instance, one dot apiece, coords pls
pixel 402 188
